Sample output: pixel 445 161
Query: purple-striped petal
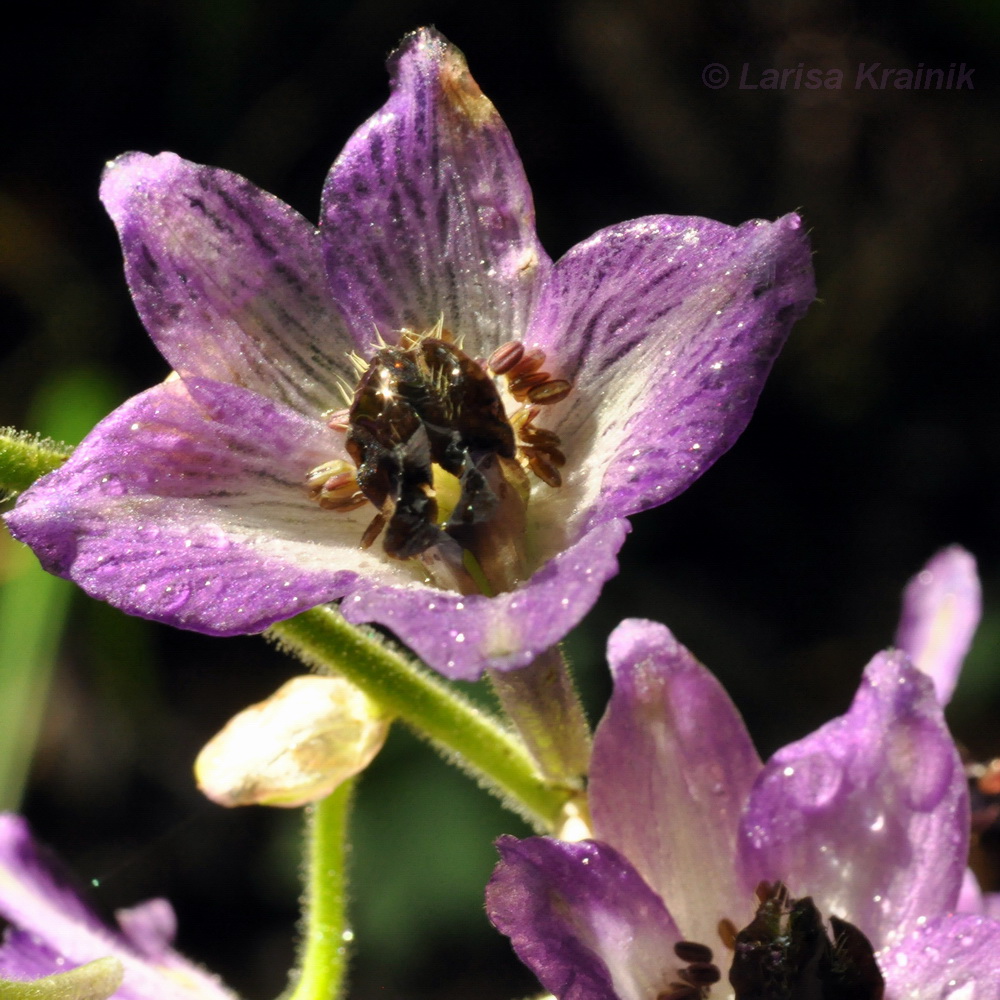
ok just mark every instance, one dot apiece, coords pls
pixel 427 214
pixel 667 327
pixel 54 931
pixel 951 958
pixel 228 279
pixel 671 771
pixel 188 505
pixel 869 815
pixel 460 635
pixel 942 605
pixel 582 919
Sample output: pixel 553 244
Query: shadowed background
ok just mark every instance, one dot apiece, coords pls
pixel 877 440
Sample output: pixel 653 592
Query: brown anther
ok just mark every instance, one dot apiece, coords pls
pixel 530 362
pixel 680 991
pixel 538 436
pixel 542 465
pixel 727 932
pixel 692 951
pixel 765 890
pixel 520 386
pixel 373 530
pixel 700 974
pixel 505 357
pixel 553 391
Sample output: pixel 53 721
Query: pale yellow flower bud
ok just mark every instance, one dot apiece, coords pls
pixel 295 747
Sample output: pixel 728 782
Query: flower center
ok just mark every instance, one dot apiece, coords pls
pixel 785 953
pixel 441 461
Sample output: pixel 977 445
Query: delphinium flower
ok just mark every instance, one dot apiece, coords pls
pixel 711 874
pixel 52 930
pixel 505 413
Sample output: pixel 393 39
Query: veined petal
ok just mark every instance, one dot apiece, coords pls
pixel 427 214
pixel 53 930
pixel 671 771
pixel 869 815
pixel 188 505
pixel 582 919
pixel 461 635
pixel 942 605
pixel 667 327
pixel 228 279
pixel 951 958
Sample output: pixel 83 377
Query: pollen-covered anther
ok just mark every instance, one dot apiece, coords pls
pixel 334 486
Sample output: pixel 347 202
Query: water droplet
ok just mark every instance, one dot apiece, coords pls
pixel 460 606
pixel 460 637
pixel 175 597
pixel 112 486
pixel 878 823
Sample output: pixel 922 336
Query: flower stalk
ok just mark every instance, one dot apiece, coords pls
pixel 326 934
pixel 464 734
pixel 26 457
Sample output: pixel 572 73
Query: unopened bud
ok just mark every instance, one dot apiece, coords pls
pixel 295 747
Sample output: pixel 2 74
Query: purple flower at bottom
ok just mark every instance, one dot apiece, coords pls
pixel 868 816
pixel 237 495
pixel 52 930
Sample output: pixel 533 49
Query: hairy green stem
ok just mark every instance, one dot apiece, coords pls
pixel 323 956
pixel 25 457
pixel 465 735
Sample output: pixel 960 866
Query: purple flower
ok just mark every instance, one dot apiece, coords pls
pixel 942 605
pixel 868 816
pixel 205 502
pixel 52 930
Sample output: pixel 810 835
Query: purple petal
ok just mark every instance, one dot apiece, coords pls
pixel 427 214
pixel 671 771
pixel 150 927
pixel 953 958
pixel 668 328
pixel 228 279
pixel 582 919
pixel 869 814
pixel 941 609
pixel 462 635
pixel 192 511
pixel 53 930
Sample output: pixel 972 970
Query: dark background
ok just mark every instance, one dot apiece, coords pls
pixel 876 442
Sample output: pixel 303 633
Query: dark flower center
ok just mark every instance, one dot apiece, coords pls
pixel 785 953
pixel 438 457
